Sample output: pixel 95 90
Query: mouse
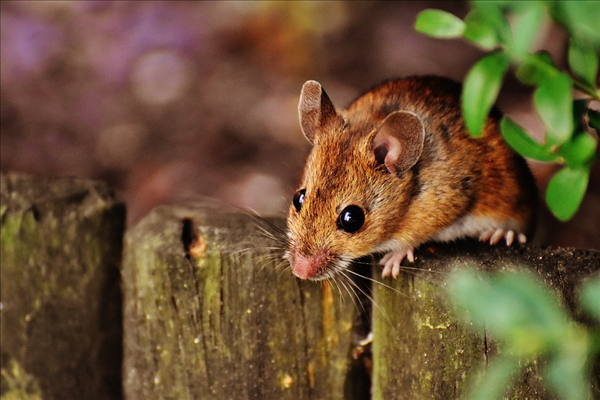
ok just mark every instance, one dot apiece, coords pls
pixel 395 169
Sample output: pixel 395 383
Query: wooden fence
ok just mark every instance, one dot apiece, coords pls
pixel 203 308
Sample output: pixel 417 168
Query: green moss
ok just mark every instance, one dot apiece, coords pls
pixel 20 384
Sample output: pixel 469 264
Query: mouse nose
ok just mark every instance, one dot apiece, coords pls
pixel 301 267
pixel 309 267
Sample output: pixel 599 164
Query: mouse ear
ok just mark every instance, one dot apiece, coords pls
pixel 315 110
pixel 398 142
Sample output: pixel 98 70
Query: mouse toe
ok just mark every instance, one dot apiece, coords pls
pixel 392 260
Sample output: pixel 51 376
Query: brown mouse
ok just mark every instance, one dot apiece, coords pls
pixel 398 168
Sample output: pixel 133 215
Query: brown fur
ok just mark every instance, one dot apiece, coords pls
pixel 455 175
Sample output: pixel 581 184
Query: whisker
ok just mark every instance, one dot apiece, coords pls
pixel 335 284
pixel 371 299
pixel 287 269
pixel 262 232
pixel 368 278
pixel 354 296
pixel 267 258
pixel 281 265
pixel 407 268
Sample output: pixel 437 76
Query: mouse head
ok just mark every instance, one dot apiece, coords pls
pixel 355 186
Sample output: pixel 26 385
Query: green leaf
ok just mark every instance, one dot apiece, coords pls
pixel 522 143
pixel 465 285
pixel 579 17
pixel 438 23
pixel 526 26
pixel 509 5
pixel 513 306
pixel 579 150
pixel 536 69
pixel 568 373
pixel 481 88
pixel 496 379
pixel 590 297
pixel 487 28
pixel 554 102
pixel 565 191
pixel 583 61
pixel 526 313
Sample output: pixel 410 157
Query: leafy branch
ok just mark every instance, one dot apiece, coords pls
pixel 527 319
pixel 569 140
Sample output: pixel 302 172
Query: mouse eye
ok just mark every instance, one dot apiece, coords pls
pixel 299 199
pixel 351 219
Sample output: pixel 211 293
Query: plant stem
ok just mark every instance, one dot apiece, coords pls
pixel 589 90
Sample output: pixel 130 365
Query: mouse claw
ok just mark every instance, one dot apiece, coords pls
pixel 498 234
pixel 510 236
pixel 391 262
pixel 486 235
pixel 495 235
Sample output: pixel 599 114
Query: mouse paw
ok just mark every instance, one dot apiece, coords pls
pixel 391 261
pixel 495 235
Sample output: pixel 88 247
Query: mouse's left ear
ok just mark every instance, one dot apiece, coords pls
pixel 398 142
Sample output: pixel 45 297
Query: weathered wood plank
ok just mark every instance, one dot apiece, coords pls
pixel 221 320
pixel 420 349
pixel 225 322
pixel 60 297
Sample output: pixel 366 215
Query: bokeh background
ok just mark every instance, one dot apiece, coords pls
pixel 173 101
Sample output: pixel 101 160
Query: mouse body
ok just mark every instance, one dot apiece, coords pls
pixel 395 169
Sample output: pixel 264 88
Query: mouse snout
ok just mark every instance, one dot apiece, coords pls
pixel 309 267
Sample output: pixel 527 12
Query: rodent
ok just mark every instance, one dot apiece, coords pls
pixel 397 168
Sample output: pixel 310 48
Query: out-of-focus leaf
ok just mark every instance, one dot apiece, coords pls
pixel 481 88
pixel 522 143
pixel 579 17
pixel 439 24
pixel 463 287
pixel 514 307
pixel 487 28
pixel 554 102
pixel 526 26
pixel 567 372
pixel 590 297
pixel 536 69
pixel 510 5
pixel 496 380
pixel 526 317
pixel 579 150
pixel 535 315
pixel 583 60
pixel 565 191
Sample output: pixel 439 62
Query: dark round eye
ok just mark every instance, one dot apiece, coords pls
pixel 351 219
pixel 299 199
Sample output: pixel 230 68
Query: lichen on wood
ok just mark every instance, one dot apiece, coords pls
pixel 216 316
pixel 423 350
pixel 61 312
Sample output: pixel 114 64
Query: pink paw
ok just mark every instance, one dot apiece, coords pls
pixel 494 236
pixel 391 262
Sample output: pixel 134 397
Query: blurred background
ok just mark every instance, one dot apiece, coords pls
pixel 172 101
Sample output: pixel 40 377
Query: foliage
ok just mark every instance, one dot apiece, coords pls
pixel 526 318
pixel 569 141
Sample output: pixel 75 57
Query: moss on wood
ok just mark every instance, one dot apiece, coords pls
pixel 222 320
pixel 422 350
pixel 61 312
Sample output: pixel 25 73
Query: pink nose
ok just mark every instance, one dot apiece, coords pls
pixel 302 267
pixel 308 267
